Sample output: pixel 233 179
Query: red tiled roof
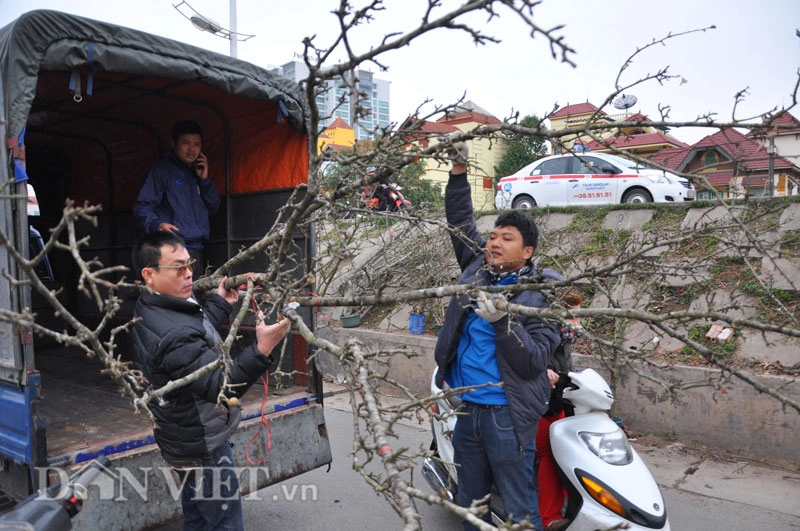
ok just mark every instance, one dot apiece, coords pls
pixel 337 147
pixel 716 178
pixel 629 141
pixel 785 118
pixel 789 125
pixel 672 158
pixel 638 117
pixel 755 181
pixel 437 127
pixel 338 123
pixel 744 150
pixel 578 108
pixel 468 117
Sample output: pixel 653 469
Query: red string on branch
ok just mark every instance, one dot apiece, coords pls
pixel 264 422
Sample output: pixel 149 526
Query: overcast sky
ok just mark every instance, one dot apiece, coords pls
pixel 754 45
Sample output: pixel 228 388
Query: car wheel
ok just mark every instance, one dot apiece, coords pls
pixel 523 202
pixel 637 195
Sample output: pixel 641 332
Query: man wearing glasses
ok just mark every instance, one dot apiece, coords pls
pixel 173 337
pixel 177 195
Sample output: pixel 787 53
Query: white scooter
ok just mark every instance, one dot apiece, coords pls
pixel 607 482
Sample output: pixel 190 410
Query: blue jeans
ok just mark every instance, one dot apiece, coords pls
pixel 216 504
pixel 487 452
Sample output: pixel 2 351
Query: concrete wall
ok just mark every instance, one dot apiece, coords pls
pixel 720 411
pixel 665 252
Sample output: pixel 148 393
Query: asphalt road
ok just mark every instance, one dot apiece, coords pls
pixel 340 498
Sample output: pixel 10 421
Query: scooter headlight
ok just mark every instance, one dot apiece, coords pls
pixel 613 447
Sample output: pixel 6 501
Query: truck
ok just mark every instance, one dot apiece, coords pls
pixel 87 109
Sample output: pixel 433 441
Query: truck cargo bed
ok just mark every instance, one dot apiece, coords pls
pixel 85 413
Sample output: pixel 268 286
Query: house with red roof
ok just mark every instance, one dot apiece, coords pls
pixel 633 134
pixel 485 153
pixel 783 131
pixel 730 164
pixel 337 136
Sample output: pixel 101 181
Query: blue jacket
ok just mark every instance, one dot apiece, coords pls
pixel 171 193
pixel 523 344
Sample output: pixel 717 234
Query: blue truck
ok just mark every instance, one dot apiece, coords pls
pixel 86 108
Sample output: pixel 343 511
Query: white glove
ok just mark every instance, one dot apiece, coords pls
pixel 458 152
pixel 487 308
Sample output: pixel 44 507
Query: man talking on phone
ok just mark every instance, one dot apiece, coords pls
pixel 177 195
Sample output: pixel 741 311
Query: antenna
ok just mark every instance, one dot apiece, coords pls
pixel 626 101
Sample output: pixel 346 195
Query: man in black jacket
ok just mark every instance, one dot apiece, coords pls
pixel 175 336
pixel 480 344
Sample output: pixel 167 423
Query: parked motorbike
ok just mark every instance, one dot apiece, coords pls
pixel 606 480
pixel 389 197
pixel 53 508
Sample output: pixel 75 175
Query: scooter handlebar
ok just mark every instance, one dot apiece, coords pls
pixel 51 509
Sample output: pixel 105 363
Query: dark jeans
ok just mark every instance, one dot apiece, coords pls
pixel 210 498
pixel 487 452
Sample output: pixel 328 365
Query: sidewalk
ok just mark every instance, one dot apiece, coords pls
pixel 701 470
pixel 687 467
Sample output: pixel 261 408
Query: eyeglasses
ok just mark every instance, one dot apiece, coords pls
pixel 179 269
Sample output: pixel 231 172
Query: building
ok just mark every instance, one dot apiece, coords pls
pixel 337 136
pixel 635 136
pixel 485 153
pixel 336 101
pixel 784 133
pixel 732 165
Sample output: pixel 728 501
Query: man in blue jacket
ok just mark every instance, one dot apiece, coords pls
pixel 177 195
pixel 494 438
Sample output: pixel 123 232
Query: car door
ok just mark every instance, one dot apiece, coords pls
pixel 593 181
pixel 547 183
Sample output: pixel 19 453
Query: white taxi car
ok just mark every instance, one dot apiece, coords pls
pixel 589 179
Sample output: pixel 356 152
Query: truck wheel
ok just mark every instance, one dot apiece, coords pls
pixel 637 195
pixel 523 202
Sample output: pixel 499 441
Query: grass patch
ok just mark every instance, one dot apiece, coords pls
pixel 790 242
pixel 605 242
pixel 697 334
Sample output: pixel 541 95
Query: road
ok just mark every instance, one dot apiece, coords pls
pixel 341 499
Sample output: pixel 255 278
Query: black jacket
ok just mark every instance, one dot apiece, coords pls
pixel 171 340
pixel 524 345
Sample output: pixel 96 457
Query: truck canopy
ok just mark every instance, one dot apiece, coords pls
pixel 99 76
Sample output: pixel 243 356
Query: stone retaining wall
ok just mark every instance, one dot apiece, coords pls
pixel 735 417
pixel 703 273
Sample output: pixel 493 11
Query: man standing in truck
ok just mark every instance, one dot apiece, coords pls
pixel 177 195
pixel 173 337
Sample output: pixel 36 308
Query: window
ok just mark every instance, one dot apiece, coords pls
pixel 552 167
pixel 710 159
pixel 705 194
pixel 592 165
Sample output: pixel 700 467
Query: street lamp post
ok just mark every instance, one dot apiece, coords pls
pixel 204 23
pixel 771 171
pixel 232 23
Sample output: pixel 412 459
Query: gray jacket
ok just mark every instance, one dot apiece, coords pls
pixel 524 344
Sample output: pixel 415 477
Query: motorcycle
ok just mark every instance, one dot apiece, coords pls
pixel 607 482
pixel 388 197
pixel 53 508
